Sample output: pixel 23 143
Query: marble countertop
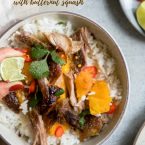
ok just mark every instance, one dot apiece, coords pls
pixel 109 14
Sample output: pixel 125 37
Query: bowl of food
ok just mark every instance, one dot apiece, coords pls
pixel 63 81
pixel 135 12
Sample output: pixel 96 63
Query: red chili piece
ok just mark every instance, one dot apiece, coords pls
pixel 16 87
pixel 27 58
pixel 32 87
pixel 92 69
pixel 112 109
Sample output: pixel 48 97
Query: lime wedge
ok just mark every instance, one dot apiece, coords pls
pixel 11 69
pixel 140 13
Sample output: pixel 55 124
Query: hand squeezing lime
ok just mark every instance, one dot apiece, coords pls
pixel 140 13
pixel 11 68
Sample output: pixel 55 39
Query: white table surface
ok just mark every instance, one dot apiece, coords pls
pixel 108 14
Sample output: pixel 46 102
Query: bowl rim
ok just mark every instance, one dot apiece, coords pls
pixel 108 35
pixel 139 133
pixel 135 24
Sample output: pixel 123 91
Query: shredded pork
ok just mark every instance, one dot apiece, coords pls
pixel 39 128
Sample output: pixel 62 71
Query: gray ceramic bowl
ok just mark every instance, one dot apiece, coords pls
pixel 114 50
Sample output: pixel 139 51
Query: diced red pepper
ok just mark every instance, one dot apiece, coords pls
pixel 59 131
pixel 27 58
pixel 16 87
pixel 112 108
pixel 32 87
pixel 92 69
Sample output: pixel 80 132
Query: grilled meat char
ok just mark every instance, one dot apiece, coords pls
pixel 92 123
pixel 71 116
pixel 63 113
pixel 12 102
pixel 48 93
pixel 92 127
pixel 5 86
pixel 55 71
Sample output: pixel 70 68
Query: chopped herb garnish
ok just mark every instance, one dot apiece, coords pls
pixel 82 117
pixel 82 121
pixel 38 52
pixel 39 69
pixel 59 92
pixel 34 100
pixel 56 58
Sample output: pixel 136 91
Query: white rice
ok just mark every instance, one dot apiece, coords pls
pixel 18 123
pixel 48 26
pixel 99 53
pixel 67 138
pixel 24 107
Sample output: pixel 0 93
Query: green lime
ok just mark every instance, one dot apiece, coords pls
pixel 140 13
pixel 11 69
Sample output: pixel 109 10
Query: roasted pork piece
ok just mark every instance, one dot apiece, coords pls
pixel 55 71
pixel 38 128
pixel 82 35
pixel 92 127
pixel 60 41
pixel 29 39
pixel 79 57
pixel 69 81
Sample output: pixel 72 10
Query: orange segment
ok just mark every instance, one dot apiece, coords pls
pixel 100 101
pixel 84 82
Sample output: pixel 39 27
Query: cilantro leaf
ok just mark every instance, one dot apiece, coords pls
pixel 82 117
pixel 39 69
pixel 56 58
pixel 38 52
pixel 34 100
